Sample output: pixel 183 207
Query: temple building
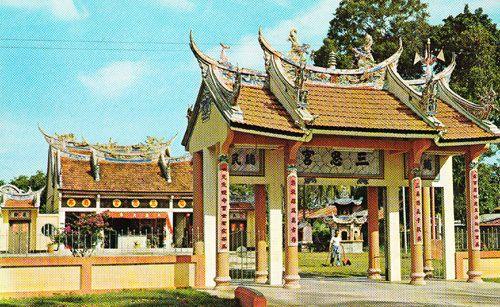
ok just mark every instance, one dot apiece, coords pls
pixel 346 216
pixel 146 193
pixel 355 127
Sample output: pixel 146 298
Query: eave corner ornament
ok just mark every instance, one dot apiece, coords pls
pixel 487 101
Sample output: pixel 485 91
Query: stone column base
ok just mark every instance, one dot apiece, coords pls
pixel 260 277
pixel 429 271
pixel 474 276
pixel 417 279
pixel 291 282
pixel 222 282
pixel 374 274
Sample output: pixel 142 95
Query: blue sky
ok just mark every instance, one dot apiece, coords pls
pixel 130 94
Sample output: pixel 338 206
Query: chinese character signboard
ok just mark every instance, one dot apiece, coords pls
pixel 292 212
pixel 325 162
pixel 223 209
pixel 416 194
pixel 246 162
pixel 474 207
pixel 429 165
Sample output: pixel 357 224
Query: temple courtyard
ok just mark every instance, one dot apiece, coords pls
pixel 323 291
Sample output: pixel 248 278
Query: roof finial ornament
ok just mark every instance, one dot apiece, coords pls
pixel 364 54
pixel 429 60
pixel 297 51
pixel 223 57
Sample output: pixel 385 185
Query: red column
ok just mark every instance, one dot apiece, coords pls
pixel 472 207
pixel 198 202
pixel 291 206
pixel 416 221
pixel 260 234
pixel 373 234
pixel 222 277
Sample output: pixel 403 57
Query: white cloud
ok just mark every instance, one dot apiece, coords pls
pixel 60 9
pixel 182 5
pixel 113 80
pixel 312 26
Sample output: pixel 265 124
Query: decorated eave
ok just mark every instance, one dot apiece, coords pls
pixel 14 198
pixel 149 151
pixel 290 80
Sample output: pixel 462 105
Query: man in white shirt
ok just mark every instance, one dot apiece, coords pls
pixel 335 248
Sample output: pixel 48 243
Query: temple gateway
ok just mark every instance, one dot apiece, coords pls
pixel 293 121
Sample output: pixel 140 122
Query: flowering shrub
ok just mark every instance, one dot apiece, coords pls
pixel 84 234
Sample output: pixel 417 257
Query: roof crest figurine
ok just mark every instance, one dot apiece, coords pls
pixel 297 51
pixel 364 54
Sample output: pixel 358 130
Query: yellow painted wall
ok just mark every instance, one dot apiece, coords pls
pixel 250 228
pixel 208 133
pixel 4 230
pixel 184 275
pixel 133 276
pixel 28 279
pixel 490 267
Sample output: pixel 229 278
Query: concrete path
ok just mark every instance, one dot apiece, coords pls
pixel 363 292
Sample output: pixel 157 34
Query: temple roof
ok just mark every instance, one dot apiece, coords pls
pixel 79 166
pixel 294 99
pixel 11 197
pixel 146 177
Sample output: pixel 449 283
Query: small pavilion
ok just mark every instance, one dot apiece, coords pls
pixel 274 129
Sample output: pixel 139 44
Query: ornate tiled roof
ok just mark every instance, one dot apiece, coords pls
pixel 146 177
pixel 365 108
pixel 293 99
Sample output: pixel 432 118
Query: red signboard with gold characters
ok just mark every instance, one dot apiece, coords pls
pixel 292 208
pixel 416 195
pixel 223 210
pixel 474 203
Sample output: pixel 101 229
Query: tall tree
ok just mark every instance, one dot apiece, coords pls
pixel 476 40
pixel 386 21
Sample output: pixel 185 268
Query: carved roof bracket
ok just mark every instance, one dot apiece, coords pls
pixel 94 160
pixel 165 167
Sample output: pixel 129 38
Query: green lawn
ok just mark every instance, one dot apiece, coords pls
pixel 184 297
pixel 313 264
pixel 492 279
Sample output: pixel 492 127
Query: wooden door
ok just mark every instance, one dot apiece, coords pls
pixel 19 233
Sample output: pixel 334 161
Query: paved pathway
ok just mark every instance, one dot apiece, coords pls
pixel 363 292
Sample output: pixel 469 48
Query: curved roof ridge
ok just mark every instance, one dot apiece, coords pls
pixel 333 71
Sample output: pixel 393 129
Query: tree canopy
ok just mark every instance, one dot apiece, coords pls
pixel 35 182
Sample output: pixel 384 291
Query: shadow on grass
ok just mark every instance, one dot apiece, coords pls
pixel 182 297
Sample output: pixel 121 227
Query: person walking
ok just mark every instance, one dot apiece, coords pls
pixel 335 248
